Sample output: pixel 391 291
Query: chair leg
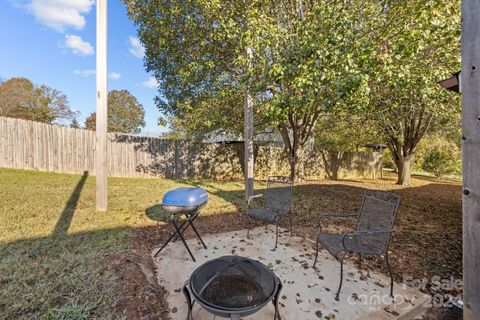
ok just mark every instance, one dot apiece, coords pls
pixel 316 255
pixel 359 261
pixel 290 217
pixel 276 234
pixel 391 275
pixel 341 278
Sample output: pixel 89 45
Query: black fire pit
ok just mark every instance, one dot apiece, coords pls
pixel 232 287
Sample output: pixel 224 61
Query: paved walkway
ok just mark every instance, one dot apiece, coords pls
pixel 307 293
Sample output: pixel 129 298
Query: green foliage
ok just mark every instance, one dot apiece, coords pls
pixel 75 124
pixel 308 59
pixel 20 98
pixel 343 133
pixel 388 162
pixel 439 156
pixel 419 46
pixel 439 161
pixel 304 59
pixel 125 113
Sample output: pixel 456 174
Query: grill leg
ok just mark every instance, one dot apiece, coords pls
pixel 389 271
pixel 341 277
pixel 189 301
pixel 183 240
pixel 275 301
pixel 189 221
pixel 183 227
pixel 165 244
pixel 198 235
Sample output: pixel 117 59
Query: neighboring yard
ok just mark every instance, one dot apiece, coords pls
pixel 60 258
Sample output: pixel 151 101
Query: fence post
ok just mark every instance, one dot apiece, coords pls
pixel 101 119
pixel 469 86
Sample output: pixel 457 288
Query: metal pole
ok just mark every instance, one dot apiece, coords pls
pixel 470 88
pixel 249 160
pixel 101 114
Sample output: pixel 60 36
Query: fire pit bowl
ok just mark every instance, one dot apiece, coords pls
pixel 232 286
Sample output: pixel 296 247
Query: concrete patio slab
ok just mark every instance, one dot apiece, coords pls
pixel 307 293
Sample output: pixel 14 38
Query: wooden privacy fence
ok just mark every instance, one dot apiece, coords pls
pixel 38 146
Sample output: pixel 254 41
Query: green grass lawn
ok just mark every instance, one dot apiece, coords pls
pixel 55 248
pixel 58 255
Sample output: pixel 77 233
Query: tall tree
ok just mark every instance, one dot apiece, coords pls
pixel 419 46
pixel 20 98
pixel 75 124
pixel 125 113
pixel 306 57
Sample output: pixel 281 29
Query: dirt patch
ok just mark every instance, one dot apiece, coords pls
pixel 444 314
pixel 427 241
pixel 139 295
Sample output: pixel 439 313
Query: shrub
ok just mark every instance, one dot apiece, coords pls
pixel 440 161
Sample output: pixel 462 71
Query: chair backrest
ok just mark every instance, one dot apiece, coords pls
pixel 278 196
pixel 378 212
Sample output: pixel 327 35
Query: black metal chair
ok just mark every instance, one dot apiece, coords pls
pixel 372 234
pixel 278 203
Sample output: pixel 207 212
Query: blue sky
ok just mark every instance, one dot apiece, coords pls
pixel 52 42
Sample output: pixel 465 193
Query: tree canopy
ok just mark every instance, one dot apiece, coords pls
pixel 421 47
pixel 305 58
pixel 20 98
pixel 125 113
pixel 377 60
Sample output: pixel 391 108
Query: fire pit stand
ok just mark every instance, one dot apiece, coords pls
pixel 232 287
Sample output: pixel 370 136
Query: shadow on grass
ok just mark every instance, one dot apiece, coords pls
pixel 63 224
pixel 61 275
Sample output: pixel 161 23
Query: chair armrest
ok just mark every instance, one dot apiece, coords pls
pixel 369 233
pixel 362 233
pixel 340 214
pixel 251 198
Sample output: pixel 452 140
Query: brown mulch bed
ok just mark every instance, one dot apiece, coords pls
pixel 427 241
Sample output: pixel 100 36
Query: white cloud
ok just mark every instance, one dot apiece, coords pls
pixel 114 75
pixel 78 45
pixel 136 47
pixel 60 14
pixel 84 73
pixel 151 83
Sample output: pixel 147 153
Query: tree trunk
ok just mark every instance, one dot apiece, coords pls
pixel 403 170
pixel 402 154
pixel 297 164
pixel 296 135
pixel 332 161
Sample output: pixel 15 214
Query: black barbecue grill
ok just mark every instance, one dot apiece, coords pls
pixel 183 201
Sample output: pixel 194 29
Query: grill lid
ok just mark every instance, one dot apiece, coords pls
pixel 185 197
